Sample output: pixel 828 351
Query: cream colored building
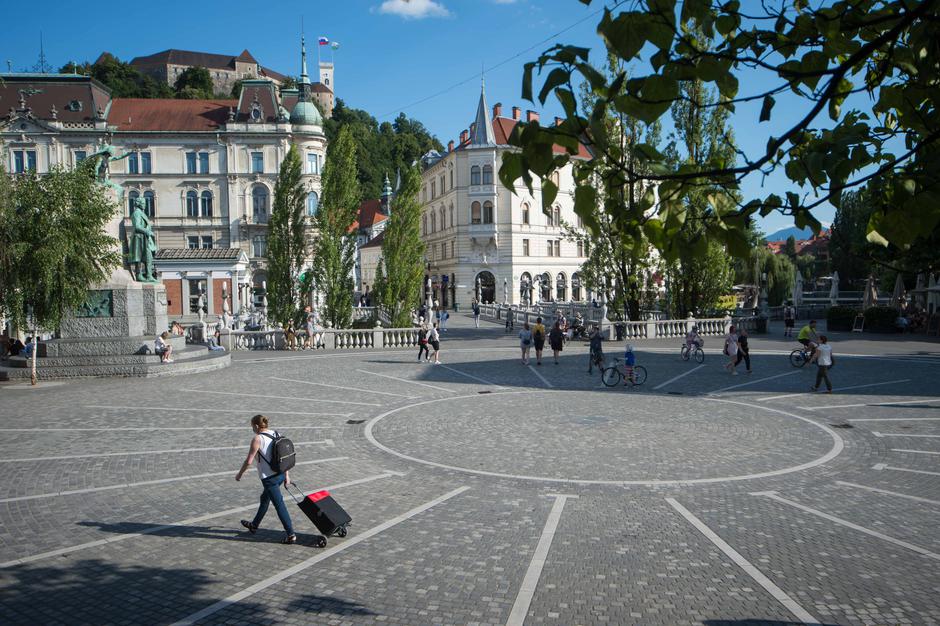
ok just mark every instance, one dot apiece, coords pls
pixel 206 169
pixel 482 240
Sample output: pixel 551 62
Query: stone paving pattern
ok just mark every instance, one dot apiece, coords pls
pixel 621 554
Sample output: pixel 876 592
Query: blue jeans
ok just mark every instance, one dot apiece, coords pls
pixel 272 492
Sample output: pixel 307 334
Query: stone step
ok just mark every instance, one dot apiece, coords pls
pixel 104 346
pixel 207 362
pixel 181 354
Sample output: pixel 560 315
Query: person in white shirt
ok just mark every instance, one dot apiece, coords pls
pixel 161 346
pixel 824 362
pixel 731 349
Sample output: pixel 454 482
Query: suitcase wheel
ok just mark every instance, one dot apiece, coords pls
pixel 321 542
pixel 341 532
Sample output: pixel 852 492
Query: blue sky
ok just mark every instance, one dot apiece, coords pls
pixel 394 54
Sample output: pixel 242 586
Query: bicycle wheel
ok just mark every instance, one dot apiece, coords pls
pixel 611 376
pixel 639 374
pixel 684 353
pixel 797 358
pixel 699 355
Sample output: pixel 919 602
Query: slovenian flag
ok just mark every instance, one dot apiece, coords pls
pixel 323 41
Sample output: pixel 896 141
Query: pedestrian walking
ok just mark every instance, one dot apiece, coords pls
pixel 423 343
pixel 476 313
pixel 444 317
pixel 556 339
pixel 434 338
pixel 262 447
pixel 789 319
pixel 824 362
pixel 596 351
pixel 744 353
pixel 510 320
pixel 538 338
pixel 525 342
pixel 731 350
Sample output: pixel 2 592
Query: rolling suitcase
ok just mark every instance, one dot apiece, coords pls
pixel 325 513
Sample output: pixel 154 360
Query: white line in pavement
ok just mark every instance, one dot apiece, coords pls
pixel 752 382
pixel 915 451
pixel 882 466
pixel 838 520
pixel 310 382
pixel 520 608
pixel 404 380
pixel 675 378
pixel 476 378
pixel 149 428
pixel 893 419
pixel 542 378
pixel 160 481
pixel 326 442
pixel 841 389
pixel 852 406
pixel 184 522
pixel 751 570
pixel 879 434
pixel 164 408
pixel 887 492
pixel 255 395
pixel 290 571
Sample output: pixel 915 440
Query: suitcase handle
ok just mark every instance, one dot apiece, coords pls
pixel 287 489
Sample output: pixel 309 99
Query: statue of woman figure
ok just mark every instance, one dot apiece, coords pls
pixel 143 244
pixel 105 155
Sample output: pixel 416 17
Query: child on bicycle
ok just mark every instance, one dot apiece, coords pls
pixel 629 360
pixel 693 338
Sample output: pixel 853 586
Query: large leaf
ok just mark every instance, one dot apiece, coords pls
pixel 558 76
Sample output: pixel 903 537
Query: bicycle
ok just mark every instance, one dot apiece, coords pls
pixel 800 357
pixel 698 354
pixel 614 374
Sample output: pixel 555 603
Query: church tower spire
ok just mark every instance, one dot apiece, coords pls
pixel 482 134
pixel 304 86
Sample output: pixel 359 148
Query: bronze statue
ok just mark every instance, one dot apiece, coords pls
pixel 142 244
pixel 104 156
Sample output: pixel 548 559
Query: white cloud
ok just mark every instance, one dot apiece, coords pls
pixel 414 9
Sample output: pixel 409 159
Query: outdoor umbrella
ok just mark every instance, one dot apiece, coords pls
pixel 870 297
pixel 897 297
pixel 797 289
pixel 933 294
pixel 919 294
pixel 834 289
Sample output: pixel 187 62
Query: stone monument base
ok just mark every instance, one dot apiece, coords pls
pixel 113 335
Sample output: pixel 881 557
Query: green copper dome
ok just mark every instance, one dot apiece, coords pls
pixel 306 113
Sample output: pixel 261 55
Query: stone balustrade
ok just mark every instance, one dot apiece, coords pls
pixel 332 339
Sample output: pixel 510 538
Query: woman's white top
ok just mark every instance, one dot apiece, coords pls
pixel 264 453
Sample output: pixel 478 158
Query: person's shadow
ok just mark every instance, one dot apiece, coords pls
pixel 201 532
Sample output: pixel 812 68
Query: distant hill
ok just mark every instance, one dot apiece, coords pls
pixel 797 234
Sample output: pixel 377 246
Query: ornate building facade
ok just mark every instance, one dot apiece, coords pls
pixel 485 241
pixel 206 169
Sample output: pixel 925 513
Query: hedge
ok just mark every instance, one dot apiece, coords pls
pixel 840 318
pixel 880 319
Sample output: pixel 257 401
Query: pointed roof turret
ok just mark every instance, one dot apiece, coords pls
pixel 305 112
pixel 482 134
pixel 387 187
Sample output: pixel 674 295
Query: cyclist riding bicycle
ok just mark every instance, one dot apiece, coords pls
pixel 808 337
pixel 693 338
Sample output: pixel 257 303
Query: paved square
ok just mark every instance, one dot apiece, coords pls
pixel 484 491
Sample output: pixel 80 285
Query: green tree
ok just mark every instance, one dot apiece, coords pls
pixel 125 80
pixel 816 55
pixel 398 286
pixel 54 244
pixel 194 83
pixel 334 244
pixel 848 246
pixel 287 246
pixel 789 247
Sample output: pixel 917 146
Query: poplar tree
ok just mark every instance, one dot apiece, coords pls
pixel 335 241
pixel 398 286
pixel 287 246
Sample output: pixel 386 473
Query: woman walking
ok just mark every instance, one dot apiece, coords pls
pixel 731 350
pixel 262 446
pixel 434 338
pixel 525 342
pixel 538 338
pixel 423 342
pixel 556 339
pixel 744 353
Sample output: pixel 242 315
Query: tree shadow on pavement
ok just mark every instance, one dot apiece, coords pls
pixel 753 622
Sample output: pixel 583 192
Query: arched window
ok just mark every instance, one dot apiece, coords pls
pixel 475 175
pixel 557 214
pixel 433 222
pixel 313 203
pixel 451 169
pixel 525 213
pixel 576 287
pixel 131 196
pixel 476 216
pixel 150 204
pixel 259 203
pixel 192 204
pixel 561 287
pixel 487 174
pixel 259 246
pixel 525 288
pixel 452 216
pixel 556 178
pixel 443 219
pixel 546 286
pixel 487 212
pixel 205 204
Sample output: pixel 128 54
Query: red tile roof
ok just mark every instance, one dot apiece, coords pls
pixel 188 57
pixel 502 128
pixel 370 214
pixel 158 114
pixel 75 98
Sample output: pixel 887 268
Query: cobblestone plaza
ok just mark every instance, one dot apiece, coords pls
pixel 483 491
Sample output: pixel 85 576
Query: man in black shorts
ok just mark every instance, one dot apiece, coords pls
pixel 789 319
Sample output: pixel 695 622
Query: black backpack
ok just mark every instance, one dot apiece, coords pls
pixel 282 453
